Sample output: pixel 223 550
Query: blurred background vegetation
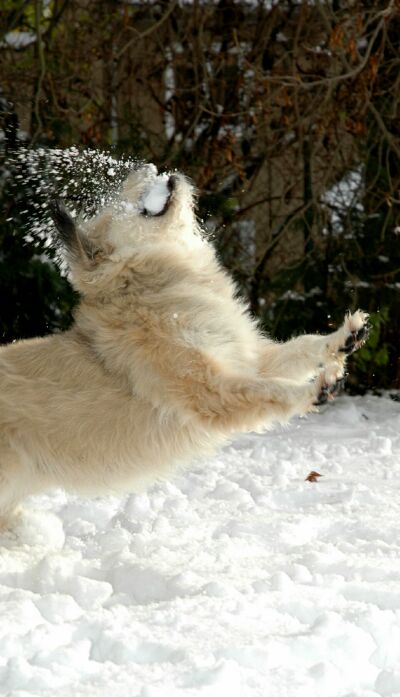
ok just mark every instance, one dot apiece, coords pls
pixel 285 114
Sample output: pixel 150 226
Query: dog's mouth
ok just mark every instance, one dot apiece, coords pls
pixel 158 196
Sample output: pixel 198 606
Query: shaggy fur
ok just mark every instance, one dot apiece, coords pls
pixel 162 364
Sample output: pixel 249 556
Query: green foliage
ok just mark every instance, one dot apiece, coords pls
pixel 221 205
pixel 375 354
pixel 35 298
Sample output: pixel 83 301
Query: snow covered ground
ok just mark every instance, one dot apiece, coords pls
pixel 235 579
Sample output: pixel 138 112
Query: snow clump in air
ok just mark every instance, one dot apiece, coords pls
pixel 156 197
pixel 86 179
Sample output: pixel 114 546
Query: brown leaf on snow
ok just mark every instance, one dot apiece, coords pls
pixel 313 477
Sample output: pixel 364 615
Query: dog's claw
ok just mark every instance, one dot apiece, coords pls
pixel 363 333
pixel 356 339
pixel 322 398
pixel 328 392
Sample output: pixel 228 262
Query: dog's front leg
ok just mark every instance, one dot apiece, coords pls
pixel 171 373
pixel 232 404
pixel 203 390
pixel 306 356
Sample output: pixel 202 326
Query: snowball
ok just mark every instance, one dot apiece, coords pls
pixel 40 528
pixel 146 585
pixel 58 607
pixel 156 197
pixel 88 592
pixel 137 506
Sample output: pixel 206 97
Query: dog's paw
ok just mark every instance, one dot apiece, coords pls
pixel 355 331
pixel 327 393
pixel 313 394
pixel 327 386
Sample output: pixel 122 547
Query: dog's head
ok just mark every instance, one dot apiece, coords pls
pixel 153 211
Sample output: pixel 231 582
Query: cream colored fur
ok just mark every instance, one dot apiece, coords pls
pixel 162 364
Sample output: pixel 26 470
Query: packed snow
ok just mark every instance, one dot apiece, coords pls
pixel 237 577
pixel 156 196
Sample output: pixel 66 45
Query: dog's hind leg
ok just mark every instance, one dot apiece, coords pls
pixel 13 487
pixel 9 511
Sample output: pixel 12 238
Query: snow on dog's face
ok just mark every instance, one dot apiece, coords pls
pixel 153 211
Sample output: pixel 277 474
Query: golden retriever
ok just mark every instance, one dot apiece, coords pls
pixel 163 362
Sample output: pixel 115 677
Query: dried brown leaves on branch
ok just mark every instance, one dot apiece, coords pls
pixel 287 118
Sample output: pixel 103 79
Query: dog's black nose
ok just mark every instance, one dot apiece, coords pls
pixel 172 183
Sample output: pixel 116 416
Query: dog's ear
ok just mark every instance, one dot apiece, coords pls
pixel 75 243
pixel 64 222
